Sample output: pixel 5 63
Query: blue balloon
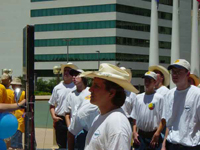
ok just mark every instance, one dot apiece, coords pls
pixel 2 145
pixel 8 125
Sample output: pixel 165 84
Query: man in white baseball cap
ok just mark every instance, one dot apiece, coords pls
pixel 182 110
pixel 111 129
pixel 162 79
pixel 59 94
pixel 146 116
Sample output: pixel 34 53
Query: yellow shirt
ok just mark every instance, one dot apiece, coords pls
pixel 10 96
pixel 3 94
pixel 19 115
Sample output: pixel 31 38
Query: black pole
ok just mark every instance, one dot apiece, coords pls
pixel 28 73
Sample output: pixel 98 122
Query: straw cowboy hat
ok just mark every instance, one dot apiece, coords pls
pixel 164 71
pixel 129 72
pixel 112 73
pixel 195 78
pixel 70 65
pixel 16 81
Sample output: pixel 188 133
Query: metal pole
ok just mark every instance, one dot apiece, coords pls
pixel 67 40
pixel 98 58
pixel 67 51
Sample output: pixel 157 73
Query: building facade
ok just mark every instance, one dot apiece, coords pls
pixel 114 31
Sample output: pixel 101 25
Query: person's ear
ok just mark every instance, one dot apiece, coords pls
pixel 112 93
pixel 188 74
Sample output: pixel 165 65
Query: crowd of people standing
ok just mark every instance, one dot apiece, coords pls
pixel 111 115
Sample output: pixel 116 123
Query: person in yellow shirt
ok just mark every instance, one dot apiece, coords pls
pixel 19 96
pixel 5 82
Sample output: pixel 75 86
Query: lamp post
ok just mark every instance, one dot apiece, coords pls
pixel 68 41
pixel 98 58
pixel 56 71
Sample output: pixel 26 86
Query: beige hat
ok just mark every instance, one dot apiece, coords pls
pixel 5 76
pixel 70 65
pixel 129 72
pixel 112 73
pixel 180 63
pixel 164 71
pixel 16 81
pixel 150 74
pixel 195 78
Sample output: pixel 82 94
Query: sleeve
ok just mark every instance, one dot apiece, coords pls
pixel 161 106
pixel 3 95
pixel 119 141
pixel 67 104
pixel 53 98
pixel 133 112
pixel 75 126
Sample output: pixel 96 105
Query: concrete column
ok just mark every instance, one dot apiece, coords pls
pixel 175 49
pixel 154 49
pixel 195 39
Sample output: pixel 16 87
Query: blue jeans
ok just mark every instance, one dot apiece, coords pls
pixel 16 140
pixel 170 146
pixel 145 144
pixel 80 140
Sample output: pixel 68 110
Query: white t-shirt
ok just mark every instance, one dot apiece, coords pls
pixel 162 90
pixel 146 119
pixel 111 131
pixel 83 118
pixel 182 114
pixel 129 102
pixel 59 94
pixel 75 99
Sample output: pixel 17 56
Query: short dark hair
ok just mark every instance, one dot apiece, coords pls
pixel 120 95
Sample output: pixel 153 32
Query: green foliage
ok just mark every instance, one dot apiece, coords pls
pixel 41 93
pixel 46 86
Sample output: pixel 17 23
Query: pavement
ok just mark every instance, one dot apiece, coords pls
pixel 44 138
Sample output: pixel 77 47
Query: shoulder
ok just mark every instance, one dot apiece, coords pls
pixel 2 87
pixel 140 95
pixel 159 96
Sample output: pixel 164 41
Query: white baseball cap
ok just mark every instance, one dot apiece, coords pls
pixel 150 74
pixel 180 63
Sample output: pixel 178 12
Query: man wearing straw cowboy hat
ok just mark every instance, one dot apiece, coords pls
pixel 182 110
pixel 130 98
pixel 111 129
pixel 162 79
pixel 56 102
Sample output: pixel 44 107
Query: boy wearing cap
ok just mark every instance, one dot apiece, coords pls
pixel 74 101
pixel 111 129
pixel 59 94
pixel 146 116
pixel 182 110
pixel 162 79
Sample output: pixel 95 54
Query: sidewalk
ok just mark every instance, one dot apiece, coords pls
pixel 44 138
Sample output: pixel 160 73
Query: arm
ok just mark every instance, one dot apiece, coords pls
pixel 67 118
pixel 135 134
pixel 53 115
pixel 70 140
pixel 11 107
pixel 155 138
pixel 164 141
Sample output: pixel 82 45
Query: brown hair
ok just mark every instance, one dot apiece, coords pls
pixel 120 95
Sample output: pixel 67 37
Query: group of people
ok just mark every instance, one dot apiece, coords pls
pixel 110 115
pixel 12 99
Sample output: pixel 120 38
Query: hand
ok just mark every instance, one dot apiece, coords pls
pixel 154 140
pixel 56 119
pixel 135 138
pixel 22 103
